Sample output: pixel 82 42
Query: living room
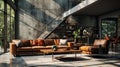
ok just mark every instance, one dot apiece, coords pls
pixel 36 22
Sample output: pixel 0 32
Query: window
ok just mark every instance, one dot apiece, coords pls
pixel 6 13
pixel 109 27
pixel 1 25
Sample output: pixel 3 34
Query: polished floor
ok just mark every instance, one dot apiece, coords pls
pixel 111 60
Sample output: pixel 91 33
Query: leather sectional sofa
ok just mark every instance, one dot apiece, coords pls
pixel 32 47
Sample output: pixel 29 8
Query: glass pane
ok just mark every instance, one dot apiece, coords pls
pixel 12 13
pixel 12 28
pixel 109 28
pixel 1 5
pixel 13 1
pixel 1 30
pixel 8 9
pixel 8 28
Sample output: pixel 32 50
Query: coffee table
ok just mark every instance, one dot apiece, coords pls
pixel 58 51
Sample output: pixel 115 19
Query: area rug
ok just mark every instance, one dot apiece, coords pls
pixel 69 60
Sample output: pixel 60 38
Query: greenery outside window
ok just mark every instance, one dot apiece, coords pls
pixel 6 13
pixel 109 27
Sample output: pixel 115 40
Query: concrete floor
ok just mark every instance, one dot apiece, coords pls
pixel 111 60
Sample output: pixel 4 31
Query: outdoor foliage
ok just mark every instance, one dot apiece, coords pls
pixel 109 28
pixel 10 22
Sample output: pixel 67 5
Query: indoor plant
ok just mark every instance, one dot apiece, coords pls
pixel 76 34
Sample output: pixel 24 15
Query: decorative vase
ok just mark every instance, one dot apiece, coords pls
pixel 54 47
pixel 75 40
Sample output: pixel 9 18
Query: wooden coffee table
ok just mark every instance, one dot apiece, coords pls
pixel 60 51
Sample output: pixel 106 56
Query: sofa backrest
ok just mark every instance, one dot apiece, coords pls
pixel 62 42
pixel 37 42
pixel 49 42
pixel 57 41
pixel 40 42
pixel 25 43
pixel 101 42
pixel 22 43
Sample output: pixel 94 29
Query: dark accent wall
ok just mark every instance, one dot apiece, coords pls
pixel 73 22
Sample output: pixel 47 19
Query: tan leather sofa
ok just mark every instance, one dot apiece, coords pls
pixel 31 47
pixel 100 46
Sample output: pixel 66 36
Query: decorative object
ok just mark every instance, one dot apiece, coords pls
pixel 87 33
pixel 63 42
pixel 54 47
pixel 18 43
pixel 76 34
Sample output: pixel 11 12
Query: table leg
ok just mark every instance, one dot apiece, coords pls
pixel 52 57
pixel 44 54
pixel 75 55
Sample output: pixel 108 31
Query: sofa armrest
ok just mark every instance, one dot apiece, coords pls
pixel 13 48
pixel 70 44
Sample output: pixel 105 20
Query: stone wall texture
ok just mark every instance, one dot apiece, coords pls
pixel 36 16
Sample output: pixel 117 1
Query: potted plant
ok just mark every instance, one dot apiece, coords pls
pixel 76 34
pixel 54 47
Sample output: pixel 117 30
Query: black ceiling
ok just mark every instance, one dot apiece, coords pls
pixel 100 7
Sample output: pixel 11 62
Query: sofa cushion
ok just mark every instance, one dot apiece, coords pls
pixel 25 43
pixel 41 47
pixel 35 42
pixel 57 41
pixel 100 42
pixel 90 48
pixel 31 42
pixel 25 49
pixel 17 43
pixel 41 42
pixel 38 47
pixel 85 48
pixel 14 41
pixel 49 42
pixel 49 47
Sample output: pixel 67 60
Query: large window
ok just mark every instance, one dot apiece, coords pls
pixel 10 23
pixel 109 27
pixel 6 13
pixel 1 25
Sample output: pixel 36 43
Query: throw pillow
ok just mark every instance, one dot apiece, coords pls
pixel 49 42
pixel 35 42
pixel 25 43
pixel 31 42
pixel 63 42
pixel 18 43
pixel 40 42
pixel 56 41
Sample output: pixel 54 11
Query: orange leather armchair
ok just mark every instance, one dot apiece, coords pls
pixel 100 46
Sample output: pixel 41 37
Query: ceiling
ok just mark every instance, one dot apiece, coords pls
pixel 100 7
